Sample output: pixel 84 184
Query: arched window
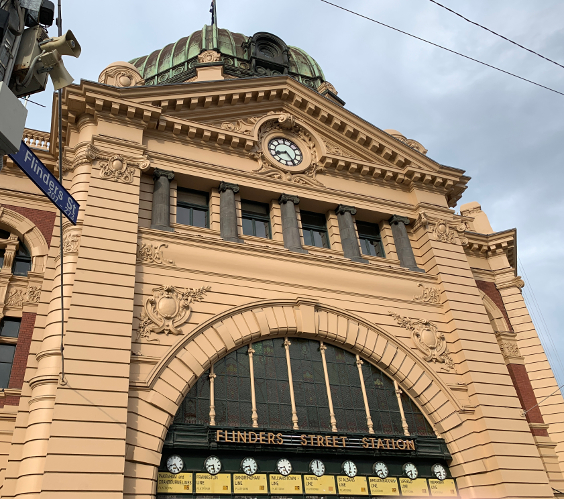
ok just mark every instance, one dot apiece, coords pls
pixel 331 390
pixel 22 261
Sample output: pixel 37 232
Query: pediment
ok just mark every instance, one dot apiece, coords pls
pixel 230 113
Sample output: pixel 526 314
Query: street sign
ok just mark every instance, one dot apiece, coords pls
pixel 46 181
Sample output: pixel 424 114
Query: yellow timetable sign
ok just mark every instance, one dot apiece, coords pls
pixel 356 486
pixel 291 484
pixel 245 484
pixel 417 487
pixel 446 488
pixel 213 484
pixel 175 483
pixel 320 485
pixel 383 487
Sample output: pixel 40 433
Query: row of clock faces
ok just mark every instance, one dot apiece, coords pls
pixel 213 466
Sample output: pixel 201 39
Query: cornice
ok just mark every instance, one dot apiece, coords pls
pixel 392 159
pixel 488 245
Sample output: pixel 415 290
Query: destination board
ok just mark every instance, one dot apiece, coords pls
pixel 320 485
pixel 356 486
pixel 385 487
pixel 280 485
pixel 169 483
pixel 213 484
pixel 417 487
pixel 444 488
pixel 249 485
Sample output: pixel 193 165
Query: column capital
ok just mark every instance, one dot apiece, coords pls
pixel 284 198
pixel 158 173
pixel 224 186
pixel 398 219
pixel 342 208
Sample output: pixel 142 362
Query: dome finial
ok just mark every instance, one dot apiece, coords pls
pixel 213 11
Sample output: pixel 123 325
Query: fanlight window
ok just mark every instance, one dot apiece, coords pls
pixel 330 389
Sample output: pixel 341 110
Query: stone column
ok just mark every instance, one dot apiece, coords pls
pixel 160 218
pixel 228 212
pixel 403 244
pixel 349 240
pixel 290 229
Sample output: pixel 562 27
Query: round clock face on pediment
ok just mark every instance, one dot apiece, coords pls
pixel 285 151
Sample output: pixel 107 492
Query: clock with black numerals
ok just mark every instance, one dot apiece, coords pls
pixel 285 151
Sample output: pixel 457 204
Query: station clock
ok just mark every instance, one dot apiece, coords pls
pixel 350 469
pixel 249 466
pixel 174 464
pixel 410 471
pixel 317 467
pixel 284 466
pixel 212 465
pixel 439 471
pixel 381 470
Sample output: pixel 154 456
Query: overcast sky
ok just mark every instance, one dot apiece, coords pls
pixel 507 134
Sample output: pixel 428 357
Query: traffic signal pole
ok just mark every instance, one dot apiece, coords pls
pixel 60 138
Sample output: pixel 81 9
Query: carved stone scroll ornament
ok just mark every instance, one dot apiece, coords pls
pixel 442 230
pixel 209 56
pixel 16 298
pixel 71 242
pixel 428 295
pixel 167 309
pixel 516 282
pixel 84 155
pixel 152 253
pixel 271 169
pixel 118 167
pixel 336 150
pixel 428 340
pixel 33 294
pixel 245 126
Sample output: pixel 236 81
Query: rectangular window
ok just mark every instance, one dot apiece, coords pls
pixel 314 226
pixel 6 358
pixel 256 219
pixel 10 326
pixel 370 239
pixel 192 208
pixel 2 251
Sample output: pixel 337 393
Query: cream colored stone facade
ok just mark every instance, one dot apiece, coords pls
pixel 99 432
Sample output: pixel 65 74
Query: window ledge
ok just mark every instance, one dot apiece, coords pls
pixel 262 241
pixel 199 231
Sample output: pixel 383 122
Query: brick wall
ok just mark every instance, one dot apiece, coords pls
pixel 493 294
pixel 522 383
pixel 20 357
pixel 45 220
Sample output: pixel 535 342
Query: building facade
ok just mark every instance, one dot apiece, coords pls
pixel 264 295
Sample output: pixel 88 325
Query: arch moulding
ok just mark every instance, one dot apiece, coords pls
pixel 30 235
pixel 158 398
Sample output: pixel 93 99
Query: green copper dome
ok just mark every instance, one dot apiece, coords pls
pixel 263 54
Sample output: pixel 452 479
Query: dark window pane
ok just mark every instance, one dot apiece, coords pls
pixel 309 218
pixel 367 229
pixel 21 266
pixel 248 227
pixel 1 258
pixel 4 234
pixel 193 197
pixel 10 326
pixel 257 208
pixel 307 238
pixel 317 240
pixel 261 229
pixel 183 215
pixel 6 359
pixel 199 218
pixel 370 240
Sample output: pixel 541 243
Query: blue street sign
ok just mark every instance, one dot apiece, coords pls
pixel 46 181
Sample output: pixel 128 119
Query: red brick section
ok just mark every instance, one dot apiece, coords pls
pixel 493 294
pixel 522 384
pixel 45 220
pixel 518 372
pixel 20 357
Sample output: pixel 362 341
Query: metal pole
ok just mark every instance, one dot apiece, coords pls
pixel 60 133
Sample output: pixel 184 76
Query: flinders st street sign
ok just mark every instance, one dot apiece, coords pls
pixel 313 440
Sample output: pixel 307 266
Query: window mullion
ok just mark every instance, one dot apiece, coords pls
pixel 364 395
pixel 254 413
pixel 402 413
pixel 322 349
pixel 212 377
pixel 287 344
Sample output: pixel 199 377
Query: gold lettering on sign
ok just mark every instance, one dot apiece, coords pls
pixel 308 440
